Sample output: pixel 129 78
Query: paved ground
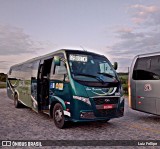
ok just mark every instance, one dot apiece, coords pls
pixel 23 124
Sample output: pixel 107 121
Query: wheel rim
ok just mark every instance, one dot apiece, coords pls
pixel 58 115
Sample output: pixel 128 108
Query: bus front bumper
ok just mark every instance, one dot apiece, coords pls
pixel 100 113
pixel 86 116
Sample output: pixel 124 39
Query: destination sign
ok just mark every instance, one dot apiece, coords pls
pixel 78 58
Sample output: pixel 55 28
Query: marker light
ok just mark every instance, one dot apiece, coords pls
pixel 139 102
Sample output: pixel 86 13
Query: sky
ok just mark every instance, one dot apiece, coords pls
pixel 118 29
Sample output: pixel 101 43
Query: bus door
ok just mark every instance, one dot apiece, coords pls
pixel 34 94
pixel 43 84
pixel 34 85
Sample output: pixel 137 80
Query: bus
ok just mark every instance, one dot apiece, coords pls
pixel 68 85
pixel 144 83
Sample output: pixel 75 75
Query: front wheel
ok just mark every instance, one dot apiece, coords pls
pixel 58 116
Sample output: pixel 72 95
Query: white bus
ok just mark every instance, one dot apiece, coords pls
pixel 144 83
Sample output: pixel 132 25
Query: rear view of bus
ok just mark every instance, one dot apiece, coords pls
pixel 144 83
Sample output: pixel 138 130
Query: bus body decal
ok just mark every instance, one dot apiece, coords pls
pixel 108 93
pixel 147 87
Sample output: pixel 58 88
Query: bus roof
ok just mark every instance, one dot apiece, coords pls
pixel 52 53
pixel 148 54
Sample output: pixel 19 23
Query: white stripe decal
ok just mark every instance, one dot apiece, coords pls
pixel 34 100
pixel 105 93
pixel 23 102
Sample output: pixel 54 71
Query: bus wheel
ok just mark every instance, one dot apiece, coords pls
pixel 16 102
pixel 58 116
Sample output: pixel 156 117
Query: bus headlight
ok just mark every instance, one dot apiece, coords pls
pixel 84 99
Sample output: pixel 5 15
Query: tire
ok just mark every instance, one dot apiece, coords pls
pixel 58 116
pixel 16 102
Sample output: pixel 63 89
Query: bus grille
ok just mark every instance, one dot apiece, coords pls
pixel 107 100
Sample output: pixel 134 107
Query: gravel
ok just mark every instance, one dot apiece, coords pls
pixel 25 124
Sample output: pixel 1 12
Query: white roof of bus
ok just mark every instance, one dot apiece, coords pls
pixel 148 54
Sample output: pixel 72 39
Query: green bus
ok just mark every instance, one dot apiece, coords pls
pixel 69 85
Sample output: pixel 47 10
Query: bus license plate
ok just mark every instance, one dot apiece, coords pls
pixel 109 106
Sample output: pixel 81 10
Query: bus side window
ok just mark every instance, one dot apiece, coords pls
pixel 146 69
pixel 105 68
pixel 35 66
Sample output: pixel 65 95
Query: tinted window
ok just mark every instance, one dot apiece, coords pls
pixel 35 66
pixel 147 68
pixel 16 71
pixel 91 67
pixel 26 71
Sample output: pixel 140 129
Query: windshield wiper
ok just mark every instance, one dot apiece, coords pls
pixel 108 75
pixel 92 76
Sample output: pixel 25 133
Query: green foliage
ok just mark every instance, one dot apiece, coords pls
pixel 124 80
pixel 3 80
pixel 3 77
pixel 125 88
pixel 2 85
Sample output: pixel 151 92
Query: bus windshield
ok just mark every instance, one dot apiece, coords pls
pixel 90 67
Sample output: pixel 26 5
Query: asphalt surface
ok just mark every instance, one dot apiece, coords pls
pixel 25 124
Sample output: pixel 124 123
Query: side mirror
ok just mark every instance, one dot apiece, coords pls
pixel 57 60
pixel 115 65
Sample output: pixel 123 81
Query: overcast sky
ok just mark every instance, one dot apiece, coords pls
pixel 119 29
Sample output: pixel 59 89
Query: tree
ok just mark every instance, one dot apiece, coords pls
pixel 3 77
